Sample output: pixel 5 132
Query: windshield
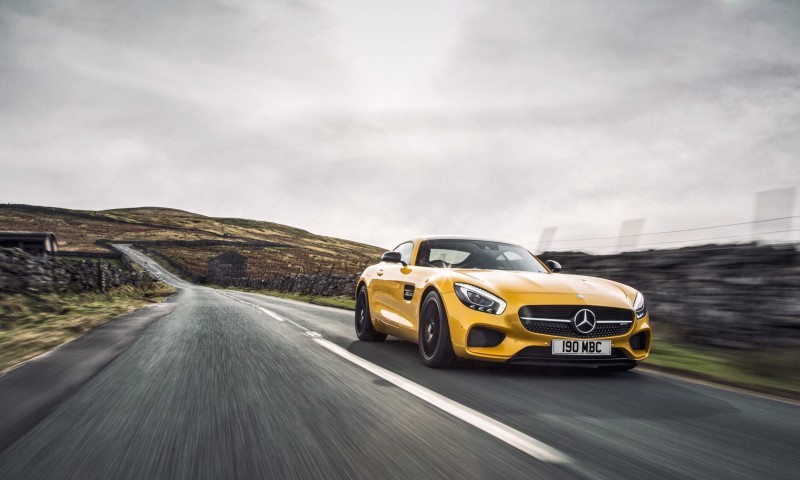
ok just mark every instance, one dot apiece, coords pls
pixel 477 254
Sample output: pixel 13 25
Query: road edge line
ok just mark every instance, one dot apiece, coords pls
pixel 501 431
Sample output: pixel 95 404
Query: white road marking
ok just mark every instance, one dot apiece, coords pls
pixel 511 436
pixel 272 314
pixel 503 432
pixel 269 312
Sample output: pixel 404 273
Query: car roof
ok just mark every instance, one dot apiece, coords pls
pixel 458 237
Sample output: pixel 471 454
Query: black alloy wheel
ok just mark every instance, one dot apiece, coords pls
pixel 435 344
pixel 364 329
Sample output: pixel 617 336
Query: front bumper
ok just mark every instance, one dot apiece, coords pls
pixel 542 356
pixel 524 347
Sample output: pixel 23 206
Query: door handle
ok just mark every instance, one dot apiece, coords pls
pixel 379 272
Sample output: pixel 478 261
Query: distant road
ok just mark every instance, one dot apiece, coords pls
pixel 233 385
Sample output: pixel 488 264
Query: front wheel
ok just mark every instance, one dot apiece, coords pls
pixel 364 329
pixel 435 344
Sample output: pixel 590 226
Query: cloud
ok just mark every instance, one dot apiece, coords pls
pixel 497 119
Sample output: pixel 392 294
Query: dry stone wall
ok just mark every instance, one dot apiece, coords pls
pixel 21 272
pixel 327 284
pixel 744 296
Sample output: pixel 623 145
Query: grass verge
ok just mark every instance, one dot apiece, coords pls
pixel 772 371
pixel 31 324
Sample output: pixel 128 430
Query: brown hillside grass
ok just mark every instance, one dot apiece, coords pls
pixel 81 230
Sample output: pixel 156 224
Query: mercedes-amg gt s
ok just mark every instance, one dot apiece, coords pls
pixel 494 301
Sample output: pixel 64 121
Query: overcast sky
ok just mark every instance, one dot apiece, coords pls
pixel 380 120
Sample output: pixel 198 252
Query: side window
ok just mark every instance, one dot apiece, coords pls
pixel 405 251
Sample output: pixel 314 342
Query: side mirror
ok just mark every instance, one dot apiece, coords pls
pixel 554 266
pixel 392 257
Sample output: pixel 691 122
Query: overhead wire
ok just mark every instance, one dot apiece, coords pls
pixel 674 231
pixel 693 240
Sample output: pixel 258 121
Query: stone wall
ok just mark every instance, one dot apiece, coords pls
pixel 744 296
pixel 21 272
pixel 327 284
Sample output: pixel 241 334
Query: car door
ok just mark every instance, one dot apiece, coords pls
pixel 391 305
pixel 380 292
pixel 413 280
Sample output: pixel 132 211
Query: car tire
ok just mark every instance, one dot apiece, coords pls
pixel 435 344
pixel 619 368
pixel 365 330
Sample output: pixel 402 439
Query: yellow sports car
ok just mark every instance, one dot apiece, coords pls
pixel 486 300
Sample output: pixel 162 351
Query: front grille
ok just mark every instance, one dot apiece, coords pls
pixel 567 312
pixel 567 330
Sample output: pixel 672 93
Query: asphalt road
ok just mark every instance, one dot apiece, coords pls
pixel 233 385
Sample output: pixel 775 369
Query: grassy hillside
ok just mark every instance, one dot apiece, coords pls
pixel 188 240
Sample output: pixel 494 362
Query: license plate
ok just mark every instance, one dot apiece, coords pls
pixel 581 347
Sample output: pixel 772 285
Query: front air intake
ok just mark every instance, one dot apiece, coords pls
pixel 484 337
pixel 640 341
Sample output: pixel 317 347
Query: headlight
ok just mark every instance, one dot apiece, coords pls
pixel 479 299
pixel 639 306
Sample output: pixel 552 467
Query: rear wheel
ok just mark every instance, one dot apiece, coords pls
pixel 435 344
pixel 364 329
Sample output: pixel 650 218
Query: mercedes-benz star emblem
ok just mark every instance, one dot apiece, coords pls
pixel 584 321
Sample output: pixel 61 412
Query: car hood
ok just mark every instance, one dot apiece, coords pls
pixel 529 282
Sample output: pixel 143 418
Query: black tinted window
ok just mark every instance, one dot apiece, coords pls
pixel 478 254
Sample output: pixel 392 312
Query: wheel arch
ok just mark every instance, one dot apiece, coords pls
pixel 431 287
pixel 428 289
pixel 361 283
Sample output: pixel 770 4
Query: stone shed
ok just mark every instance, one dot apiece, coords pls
pixel 34 243
pixel 225 268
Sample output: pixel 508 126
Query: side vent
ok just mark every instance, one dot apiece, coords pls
pixel 408 291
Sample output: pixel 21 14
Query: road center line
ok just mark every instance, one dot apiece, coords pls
pixel 503 432
pixel 272 314
pixel 268 312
